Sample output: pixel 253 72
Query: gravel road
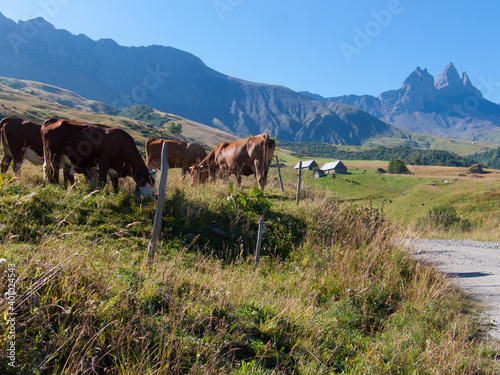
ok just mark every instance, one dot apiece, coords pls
pixel 473 266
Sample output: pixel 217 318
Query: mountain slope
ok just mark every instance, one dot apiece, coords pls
pixel 449 106
pixel 29 100
pixel 177 82
pixel 61 96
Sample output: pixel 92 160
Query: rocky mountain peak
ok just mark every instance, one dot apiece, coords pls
pixel 469 87
pixel 417 89
pixel 449 83
pixel 6 22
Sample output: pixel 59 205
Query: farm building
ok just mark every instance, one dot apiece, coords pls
pixel 308 165
pixel 334 167
pixel 318 173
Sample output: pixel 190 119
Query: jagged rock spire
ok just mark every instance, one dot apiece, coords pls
pixel 450 83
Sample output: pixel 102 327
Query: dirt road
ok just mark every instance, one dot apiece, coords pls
pixel 474 266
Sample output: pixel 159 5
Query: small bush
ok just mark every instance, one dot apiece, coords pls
pixel 398 166
pixel 257 200
pixel 446 218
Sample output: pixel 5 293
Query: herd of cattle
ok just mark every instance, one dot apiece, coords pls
pixel 97 151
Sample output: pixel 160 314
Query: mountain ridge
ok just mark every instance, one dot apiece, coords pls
pixel 449 105
pixel 178 82
pixel 174 81
pixel 38 101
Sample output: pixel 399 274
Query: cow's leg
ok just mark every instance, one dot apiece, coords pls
pixel 103 176
pixel 51 164
pixel 114 182
pixel 68 174
pixel 113 176
pixel 8 156
pixel 47 176
pixel 224 174
pixel 17 159
pixel 91 176
pixel 16 165
pixel 237 174
pixel 261 178
pixel 7 159
pixel 54 170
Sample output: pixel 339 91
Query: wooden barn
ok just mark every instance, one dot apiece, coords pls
pixel 334 167
pixel 308 165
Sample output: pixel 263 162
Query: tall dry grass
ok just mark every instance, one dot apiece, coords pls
pixel 333 292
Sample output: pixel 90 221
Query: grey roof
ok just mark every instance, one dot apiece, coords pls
pixel 305 164
pixel 332 165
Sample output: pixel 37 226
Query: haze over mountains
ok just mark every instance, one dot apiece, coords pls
pixel 449 106
pixel 177 82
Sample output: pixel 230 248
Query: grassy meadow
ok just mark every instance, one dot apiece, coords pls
pixel 470 201
pixel 334 291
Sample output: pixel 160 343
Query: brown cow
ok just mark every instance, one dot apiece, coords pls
pixel 180 154
pixel 241 158
pixel 21 140
pixel 88 145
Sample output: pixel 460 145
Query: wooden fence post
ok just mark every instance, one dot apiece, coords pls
pixel 279 174
pixel 162 189
pixel 259 242
pixel 298 184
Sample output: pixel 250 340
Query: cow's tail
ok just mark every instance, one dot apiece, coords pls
pixel 264 172
pixel 268 150
pixel 269 145
pixel 3 122
pixel 48 171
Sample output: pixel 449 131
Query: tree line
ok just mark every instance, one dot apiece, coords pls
pixel 413 156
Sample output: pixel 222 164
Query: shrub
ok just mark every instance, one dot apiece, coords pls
pixel 257 200
pixel 445 218
pixel 398 166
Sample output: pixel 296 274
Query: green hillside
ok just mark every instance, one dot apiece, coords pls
pixel 37 102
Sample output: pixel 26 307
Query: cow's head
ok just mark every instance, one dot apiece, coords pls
pixel 199 174
pixel 146 183
pixel 261 181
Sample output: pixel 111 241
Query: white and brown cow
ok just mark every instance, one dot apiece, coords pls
pixel 81 145
pixel 20 140
pixel 180 154
pixel 241 158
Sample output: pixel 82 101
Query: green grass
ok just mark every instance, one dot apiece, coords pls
pixel 333 293
pixel 408 199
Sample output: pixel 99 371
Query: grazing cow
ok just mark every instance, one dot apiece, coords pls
pixel 180 154
pixel 89 145
pixel 20 140
pixel 241 158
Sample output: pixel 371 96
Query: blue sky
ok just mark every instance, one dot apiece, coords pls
pixel 330 47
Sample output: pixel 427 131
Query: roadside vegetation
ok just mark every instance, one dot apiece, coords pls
pixel 334 291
